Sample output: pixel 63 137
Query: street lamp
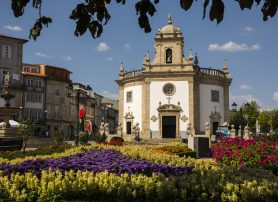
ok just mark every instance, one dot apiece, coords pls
pixel 77 126
pixel 21 109
pixel 45 114
pixel 234 106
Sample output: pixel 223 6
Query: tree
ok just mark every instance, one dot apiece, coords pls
pixel 275 120
pixel 57 138
pixel 236 118
pixel 250 112
pixel 265 119
pixel 26 130
pixel 93 14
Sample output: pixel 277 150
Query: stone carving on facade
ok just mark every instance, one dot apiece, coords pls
pixel 129 115
pixel 188 128
pixel 184 118
pixel 169 107
pixel 154 118
pixel 215 115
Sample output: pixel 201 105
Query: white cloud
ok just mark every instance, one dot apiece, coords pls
pixel 255 47
pixel 248 29
pixel 102 47
pixel 241 99
pixel 109 59
pixel 110 95
pixel 275 97
pixel 13 28
pixel 127 46
pixel 67 57
pixel 245 87
pixel 233 47
pixel 43 55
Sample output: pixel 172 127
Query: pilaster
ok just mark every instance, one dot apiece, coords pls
pixel 226 103
pixel 121 105
pixel 191 106
pixel 146 109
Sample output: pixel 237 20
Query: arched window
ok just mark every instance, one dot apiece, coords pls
pixel 168 55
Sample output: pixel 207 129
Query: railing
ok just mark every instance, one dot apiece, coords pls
pixel 132 73
pixel 213 72
pixel 34 89
pixel 14 85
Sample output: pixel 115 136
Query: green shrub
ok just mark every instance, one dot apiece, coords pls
pixel 40 151
pixel 58 138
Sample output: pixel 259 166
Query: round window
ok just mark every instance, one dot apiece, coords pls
pixel 169 89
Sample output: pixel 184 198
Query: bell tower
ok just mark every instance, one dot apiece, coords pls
pixel 168 45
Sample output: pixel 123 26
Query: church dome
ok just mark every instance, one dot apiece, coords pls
pixel 169 30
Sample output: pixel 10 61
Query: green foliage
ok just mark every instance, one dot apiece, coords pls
pixel 251 112
pixel 35 31
pixel 99 137
pixel 236 118
pixel 41 151
pixel 58 138
pixel 26 128
pixel 175 148
pixel 275 120
pixel 265 121
pixel 207 183
pixel 93 14
pixel 259 153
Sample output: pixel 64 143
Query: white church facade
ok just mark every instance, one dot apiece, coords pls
pixel 171 96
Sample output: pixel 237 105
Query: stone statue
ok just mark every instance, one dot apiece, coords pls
pixel 120 129
pixel 106 128
pixel 137 132
pixel 233 131
pixel 7 80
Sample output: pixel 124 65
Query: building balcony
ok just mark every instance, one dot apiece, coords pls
pixel 34 89
pixel 14 85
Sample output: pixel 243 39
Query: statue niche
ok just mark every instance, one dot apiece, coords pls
pixel 169 55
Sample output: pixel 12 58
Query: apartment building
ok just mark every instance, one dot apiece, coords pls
pixel 11 49
pixel 58 99
pixel 33 95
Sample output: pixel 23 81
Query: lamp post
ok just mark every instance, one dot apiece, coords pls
pixel 20 112
pixel 234 106
pixel 45 114
pixel 77 125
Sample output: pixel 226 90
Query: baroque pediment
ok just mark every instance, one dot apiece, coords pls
pixel 169 107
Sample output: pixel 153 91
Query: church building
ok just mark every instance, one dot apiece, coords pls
pixel 172 96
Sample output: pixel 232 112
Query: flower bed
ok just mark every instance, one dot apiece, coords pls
pixel 96 161
pixel 208 182
pixel 176 148
pixel 251 153
pixel 210 185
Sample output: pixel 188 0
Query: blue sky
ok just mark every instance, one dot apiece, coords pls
pixel 249 44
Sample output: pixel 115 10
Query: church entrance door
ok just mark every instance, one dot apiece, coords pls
pixel 169 127
pixel 214 127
